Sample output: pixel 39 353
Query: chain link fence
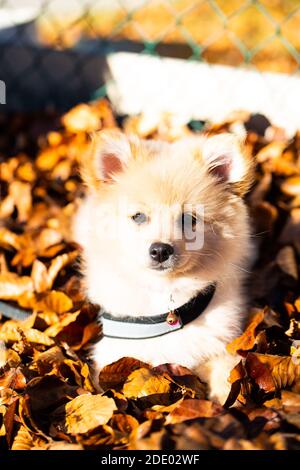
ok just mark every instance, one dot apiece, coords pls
pixel 54 52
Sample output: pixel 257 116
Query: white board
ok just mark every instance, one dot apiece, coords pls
pixel 192 90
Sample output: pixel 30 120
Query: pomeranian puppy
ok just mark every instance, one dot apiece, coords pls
pixel 166 245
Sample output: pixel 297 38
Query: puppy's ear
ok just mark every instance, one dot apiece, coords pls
pixel 227 162
pixel 108 155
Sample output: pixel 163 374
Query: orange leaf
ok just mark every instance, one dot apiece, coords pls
pixel 246 341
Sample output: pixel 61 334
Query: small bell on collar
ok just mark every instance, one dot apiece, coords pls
pixel 172 318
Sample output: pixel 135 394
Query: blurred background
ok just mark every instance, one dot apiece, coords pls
pixel 197 58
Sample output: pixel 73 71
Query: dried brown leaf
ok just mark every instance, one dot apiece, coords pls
pixel 271 372
pixel 286 260
pixel 115 374
pixel 191 409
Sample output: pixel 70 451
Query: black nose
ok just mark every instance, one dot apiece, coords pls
pixel 160 251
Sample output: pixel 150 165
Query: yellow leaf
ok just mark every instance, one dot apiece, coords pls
pixel 66 320
pixel 55 301
pixel 26 172
pixel 21 194
pixel 9 239
pixel 44 278
pixel 39 275
pixel 58 263
pixel 47 159
pixel 143 382
pixel 81 118
pixel 87 412
pixel 12 286
pixel 22 440
pixel 12 331
pixel 47 237
pixel 291 186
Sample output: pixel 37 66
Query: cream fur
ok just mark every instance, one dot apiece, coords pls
pixel 116 266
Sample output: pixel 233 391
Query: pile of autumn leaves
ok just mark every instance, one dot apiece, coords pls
pixel 47 397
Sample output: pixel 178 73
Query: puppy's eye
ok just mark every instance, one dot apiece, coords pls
pixel 139 218
pixel 188 220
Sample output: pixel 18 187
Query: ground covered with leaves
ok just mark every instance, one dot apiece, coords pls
pixel 47 397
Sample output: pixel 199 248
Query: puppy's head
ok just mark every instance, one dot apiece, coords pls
pixel 168 209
